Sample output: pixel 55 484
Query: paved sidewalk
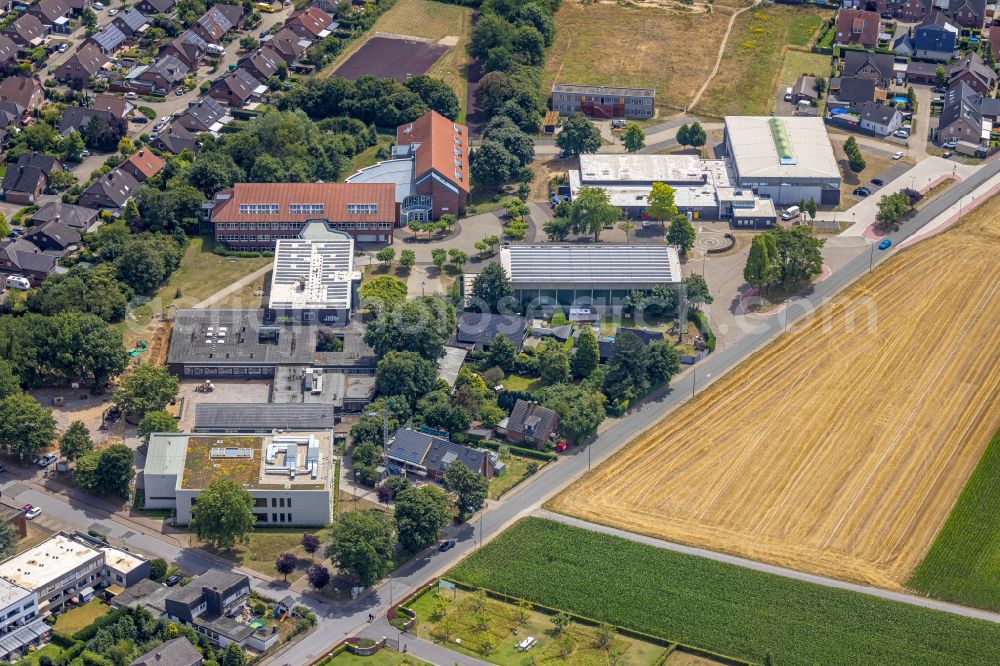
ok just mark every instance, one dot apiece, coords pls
pixel 418 647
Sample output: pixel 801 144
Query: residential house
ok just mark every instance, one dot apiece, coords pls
pixel 903 46
pixel 76 217
pixel 968 13
pixel 119 107
pixel 875 66
pixel 922 72
pixel 142 165
pixel 53 238
pixel 935 38
pixel 328 6
pixel 26 92
pixel 19 257
pixel 530 423
pixel 175 139
pixel 237 89
pixel 262 64
pixel 858 26
pixel 175 652
pixel 478 330
pixel 190 48
pixel 25 181
pixel 85 63
pixel 27 31
pixel 213 25
pixel 52 14
pixel 109 39
pixel 805 90
pixel 962 118
pixel 8 53
pixel 288 45
pixel 76 7
pixel 995 43
pixel 974 72
pixel 233 13
pixel 425 456
pixel 204 115
pixel 910 11
pixel 850 90
pixel 881 119
pixel 153 7
pixel 132 23
pixel 310 23
pixel 10 114
pixel 203 605
pixel 77 118
pixel 112 190
pixel 163 75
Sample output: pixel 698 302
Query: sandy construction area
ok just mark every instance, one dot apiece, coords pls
pixel 840 448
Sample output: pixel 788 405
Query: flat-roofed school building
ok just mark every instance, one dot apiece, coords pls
pixel 604 101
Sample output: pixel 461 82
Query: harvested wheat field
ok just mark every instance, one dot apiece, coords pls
pixel 832 450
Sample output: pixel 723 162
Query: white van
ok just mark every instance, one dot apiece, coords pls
pixel 788 94
pixel 791 213
pixel 18 282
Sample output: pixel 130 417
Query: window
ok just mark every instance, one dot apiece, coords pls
pixel 284 225
pixel 306 209
pixel 362 225
pixel 274 502
pixel 258 209
pixel 274 226
pixel 362 209
pixel 243 226
pixel 274 517
pixel 289 506
pixel 281 502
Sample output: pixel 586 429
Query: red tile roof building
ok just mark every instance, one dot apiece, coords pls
pixel 857 26
pixel 252 216
pixel 440 150
pixel 143 165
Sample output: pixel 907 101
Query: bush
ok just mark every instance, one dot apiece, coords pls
pixel 147 111
pixel 158 569
pixel 700 319
pixel 518 451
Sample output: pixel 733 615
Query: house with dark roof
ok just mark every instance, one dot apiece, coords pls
pixel 19 257
pixel 203 115
pixel 875 66
pixel 882 119
pixel 132 23
pixel 119 107
pixel 804 89
pixel 25 181
pixel 935 38
pixel 850 90
pixel 422 455
pixel 53 237
pixel 153 7
pixel 76 217
pixel 310 23
pixel 189 47
pixel 85 63
pixel 903 46
pixel 142 165
pixel 52 14
pixel 857 26
pixel 233 13
pixel 175 139
pixel 162 75
pixel 995 43
pixel 8 53
pixel 26 92
pixel 112 190
pixel 213 25
pixel 237 89
pixel 288 45
pixel 262 64
pixel 75 118
pixel 973 71
pixel 968 13
pixel 175 652
pixel 203 605
pixel 76 7
pixel 478 330
pixel 109 39
pixel 27 31
pixel 530 423
pixel 910 11
pixel 962 118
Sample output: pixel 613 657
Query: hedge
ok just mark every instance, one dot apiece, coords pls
pixel 226 252
pixel 700 319
pixel 517 450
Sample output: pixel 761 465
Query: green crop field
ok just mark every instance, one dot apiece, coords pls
pixel 963 563
pixel 718 606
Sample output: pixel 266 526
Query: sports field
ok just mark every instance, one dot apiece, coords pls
pixel 841 447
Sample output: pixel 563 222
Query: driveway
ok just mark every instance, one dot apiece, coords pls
pixel 469 231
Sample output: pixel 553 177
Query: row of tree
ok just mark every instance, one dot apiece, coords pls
pixel 855 160
pixel 503 154
pixel 787 257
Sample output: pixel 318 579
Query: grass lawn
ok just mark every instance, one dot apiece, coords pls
pixel 201 274
pixel 367 157
pixel 265 546
pixel 752 63
pixel 964 559
pixel 384 657
pixel 798 63
pixel 74 620
pixel 719 606
pixel 519 383
pixel 517 469
pixel 876 165
pixel 51 651
pixel 506 625
pixel 620 44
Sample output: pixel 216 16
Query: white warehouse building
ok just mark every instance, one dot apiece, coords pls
pixel 786 159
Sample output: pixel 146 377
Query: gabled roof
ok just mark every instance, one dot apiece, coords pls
pixel 264 60
pixel 116 186
pixel 170 68
pixel 975 65
pixel 977 7
pixel 202 113
pixel 855 60
pixel 532 420
pixel 176 138
pixel 961 101
pixel 145 162
pixel 334 198
pixel 8 49
pixel 439 145
pixel 110 38
pixel 805 86
pixel 21 90
pixel 131 20
pixel 858 25
pixel 61 234
pixel 175 652
pixel 159 6
pixel 233 13
pixel 77 117
pixel 856 89
pixel 49 10
pixel 483 328
pixel 77 217
pixel 288 44
pixel 87 61
pixel 25 256
pixel 30 172
pixel 314 20
pixel 26 28
pixel 873 112
pixel 119 107
pixel 191 45
pixel 434 453
pixel 240 83
pixel 215 24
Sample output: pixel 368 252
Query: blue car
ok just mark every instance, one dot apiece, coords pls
pixel 885 244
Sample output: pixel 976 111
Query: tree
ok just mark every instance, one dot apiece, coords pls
pixel 76 441
pixel 26 427
pixel 592 211
pixel 439 257
pixel 492 286
pixel 223 514
pixel 148 388
pixel 318 576
pixel 856 162
pixel 457 258
pixel 580 410
pixel 438 412
pixel 757 271
pixel 811 208
pixel 663 362
pixel 362 544
pixel 407 259
pixel 626 376
pixel 470 487
pixel 158 569
pixel 88 19
pixel 634 138
pixel 9 382
pixel 310 544
pixel 9 538
pixel 684 135
pixel 406 374
pixel 106 472
pixel 249 43
pixel 131 214
pixel 420 514
pixel 681 233
pixel 422 326
pixel 158 421
pixel 559 623
pixel 382 293
pixel 557 229
pixel 437 94
pixel 911 94
pixel 661 204
pixel 696 135
pixel 579 135
pixel 125 147
pixel 234 656
pixel 503 130
pixel 799 253
pixel 386 255
pixel 628 226
pixel 73 147
pixel 501 353
pixel 586 355
pixel 493 164
pixel 285 564
pixel 553 363
pixel 697 289
pixel 941 76
pixel 819 86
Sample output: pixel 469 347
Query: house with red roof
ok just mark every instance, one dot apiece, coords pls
pixel 857 26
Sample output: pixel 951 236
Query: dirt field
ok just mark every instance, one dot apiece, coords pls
pixel 643 46
pixel 391 58
pixel 840 448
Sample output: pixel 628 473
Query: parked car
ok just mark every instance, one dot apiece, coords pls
pixel 112 12
pixel 131 95
pixel 885 244
pixel 946 155
pixel 447 545
pixel 33 512
pixel 85 153
pixel 173 579
pixel 46 460
pixel 27 507
pixel 63 47
pixel 861 191
pixel 98 6
pixel 898 155
pixel 878 181
pixel 939 89
pixel 902 133
pixel 561 446
pixel 141 120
